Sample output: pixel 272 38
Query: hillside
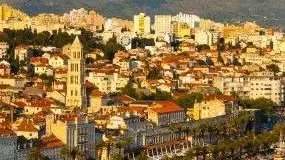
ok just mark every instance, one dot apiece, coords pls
pixel 266 12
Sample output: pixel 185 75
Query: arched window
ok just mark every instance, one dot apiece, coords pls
pixel 74 55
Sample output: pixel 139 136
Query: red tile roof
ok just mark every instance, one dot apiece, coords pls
pixel 220 97
pixel 96 93
pixel 51 142
pixel 39 60
pixel 4 86
pixel 26 126
pixel 6 132
pixel 162 107
pixel 123 98
pixel 19 104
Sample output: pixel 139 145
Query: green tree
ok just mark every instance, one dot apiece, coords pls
pixel 42 38
pixel 61 39
pixel 36 154
pixel 89 60
pixel 273 68
pixel 129 90
pixel 73 153
pixel 203 47
pixel 142 155
pixel 162 96
pixel 264 104
pixel 154 74
pixel 111 48
pixel 188 100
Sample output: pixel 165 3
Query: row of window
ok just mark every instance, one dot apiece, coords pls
pixel 74 80
pixel 74 67
pixel 76 55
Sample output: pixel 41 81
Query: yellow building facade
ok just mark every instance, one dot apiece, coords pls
pixel 7 12
pixel 180 29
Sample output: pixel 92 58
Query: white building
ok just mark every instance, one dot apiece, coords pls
pixel 204 37
pixel 191 19
pixel 162 24
pixel 108 82
pixel 253 86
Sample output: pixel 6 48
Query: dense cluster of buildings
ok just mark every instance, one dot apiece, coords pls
pixel 71 103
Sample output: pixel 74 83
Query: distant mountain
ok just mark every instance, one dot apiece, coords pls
pixel 265 12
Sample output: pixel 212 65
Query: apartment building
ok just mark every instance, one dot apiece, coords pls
pixel 162 24
pixel 263 84
pixel 142 24
pixel 73 131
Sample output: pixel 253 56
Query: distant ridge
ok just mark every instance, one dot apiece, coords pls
pixel 265 12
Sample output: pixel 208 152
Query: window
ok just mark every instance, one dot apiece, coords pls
pixel 74 54
pixel 78 54
pixel 71 80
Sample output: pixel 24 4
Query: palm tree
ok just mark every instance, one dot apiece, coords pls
pixel 142 156
pixel 123 143
pixel 99 146
pixel 190 154
pixel 36 154
pixel 73 153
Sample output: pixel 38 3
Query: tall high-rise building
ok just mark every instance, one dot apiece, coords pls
pixel 142 24
pixel 180 29
pixel 7 12
pixel 76 91
pixel 191 19
pixel 162 23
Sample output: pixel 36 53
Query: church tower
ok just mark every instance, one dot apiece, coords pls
pixel 76 92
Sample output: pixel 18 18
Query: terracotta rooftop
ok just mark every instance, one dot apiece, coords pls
pixel 123 98
pixel 26 126
pixel 19 104
pixel 39 60
pixel 220 97
pixel 162 107
pixel 6 132
pixel 4 86
pixel 96 93
pixel 3 66
pixel 51 142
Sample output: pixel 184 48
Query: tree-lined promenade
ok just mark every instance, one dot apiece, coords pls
pixel 245 147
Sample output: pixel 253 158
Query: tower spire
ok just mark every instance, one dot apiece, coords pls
pixel 76 92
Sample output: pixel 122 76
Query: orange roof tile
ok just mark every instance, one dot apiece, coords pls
pixel 51 142
pixel 221 97
pixel 6 132
pixel 166 107
pixel 96 93
pixel 26 126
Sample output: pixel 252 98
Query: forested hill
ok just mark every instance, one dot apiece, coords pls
pixel 266 12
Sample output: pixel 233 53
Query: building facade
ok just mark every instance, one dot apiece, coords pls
pixel 76 92
pixel 142 24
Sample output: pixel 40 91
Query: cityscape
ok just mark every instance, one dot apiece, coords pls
pixel 82 86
